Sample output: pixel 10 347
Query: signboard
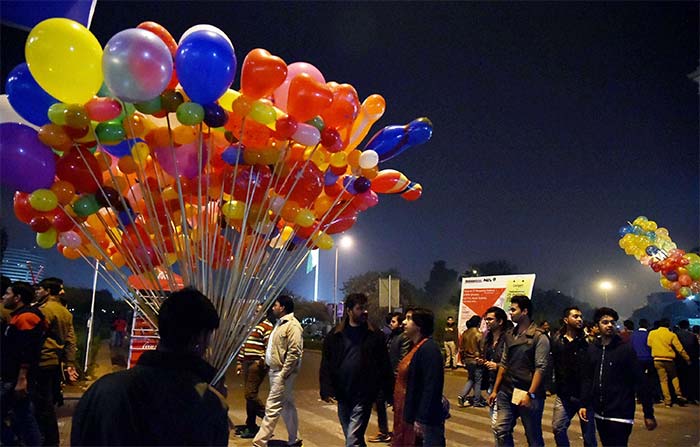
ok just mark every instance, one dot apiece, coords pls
pixel 389 287
pixel 480 293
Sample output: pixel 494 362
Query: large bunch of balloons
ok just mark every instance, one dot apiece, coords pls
pixel 140 155
pixel 652 246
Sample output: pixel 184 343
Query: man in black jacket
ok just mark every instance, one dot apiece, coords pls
pixel 354 369
pixel 166 399
pixel 22 338
pixel 610 379
pixel 569 349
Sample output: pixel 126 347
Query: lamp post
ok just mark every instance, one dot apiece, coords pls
pixel 345 242
pixel 606 286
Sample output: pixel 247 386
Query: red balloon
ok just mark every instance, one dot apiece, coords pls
pixel 304 182
pixel 40 224
pixel 80 168
pixel 23 210
pixel 307 97
pixel 250 183
pixel 340 218
pixel 61 221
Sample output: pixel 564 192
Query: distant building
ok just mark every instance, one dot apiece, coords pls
pixel 21 265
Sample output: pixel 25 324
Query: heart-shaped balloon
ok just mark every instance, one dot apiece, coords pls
pixel 344 108
pixel 307 97
pixel 262 73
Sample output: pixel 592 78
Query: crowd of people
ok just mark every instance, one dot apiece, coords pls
pixel 594 372
pixel 38 355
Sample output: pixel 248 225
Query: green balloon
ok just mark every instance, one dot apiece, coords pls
pixel 86 205
pixel 317 122
pixel 57 113
pixel 149 107
pixel 110 132
pixel 190 113
pixel 693 270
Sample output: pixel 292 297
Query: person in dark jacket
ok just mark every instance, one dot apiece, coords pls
pixel 569 349
pixel 22 338
pixel 519 390
pixel 423 407
pixel 397 345
pixel 354 369
pixel 646 361
pixel 688 373
pixel 611 378
pixel 166 399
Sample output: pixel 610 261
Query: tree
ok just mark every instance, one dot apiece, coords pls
pixel 550 304
pixel 442 287
pixel 368 283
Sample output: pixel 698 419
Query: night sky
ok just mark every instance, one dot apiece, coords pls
pixel 554 124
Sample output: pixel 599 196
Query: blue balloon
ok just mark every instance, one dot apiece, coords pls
pixel 393 140
pixel 329 178
pixel 232 154
pixel 206 65
pixel 26 163
pixel 651 250
pixel 215 115
pixel 29 100
pixel 123 148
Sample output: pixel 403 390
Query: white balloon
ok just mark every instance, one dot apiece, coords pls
pixel 204 27
pixel 369 159
pixel 8 114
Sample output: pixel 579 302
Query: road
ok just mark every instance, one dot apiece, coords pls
pixel 319 426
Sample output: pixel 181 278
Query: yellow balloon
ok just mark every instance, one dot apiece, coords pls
pixel 65 59
pixel 323 240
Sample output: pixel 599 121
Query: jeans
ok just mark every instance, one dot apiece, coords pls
pixel 280 402
pixel 382 419
pixel 613 434
pixel 475 372
pixel 433 436
pixel 19 426
pixel 508 413
pixel 354 417
pixel 564 411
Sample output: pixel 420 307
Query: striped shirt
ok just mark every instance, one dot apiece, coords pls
pixel 254 347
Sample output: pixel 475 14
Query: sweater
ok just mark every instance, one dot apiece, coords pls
pixel 662 343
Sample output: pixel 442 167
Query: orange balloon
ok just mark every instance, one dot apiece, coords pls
pixel 103 160
pixel 127 164
pixel 55 136
pixel 64 191
pixel 308 97
pixel 71 253
pixel 185 134
pixel 262 73
pixel 158 137
pixel 344 108
pixel 135 126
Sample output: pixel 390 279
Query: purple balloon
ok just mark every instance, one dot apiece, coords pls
pixel 26 164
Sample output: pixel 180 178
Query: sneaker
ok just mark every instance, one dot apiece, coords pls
pixel 248 433
pixel 460 401
pixel 681 401
pixel 380 437
pixel 480 404
pixel 296 444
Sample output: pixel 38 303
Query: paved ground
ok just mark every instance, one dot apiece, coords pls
pixel 319 425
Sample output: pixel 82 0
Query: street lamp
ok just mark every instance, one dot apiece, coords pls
pixel 606 286
pixel 344 242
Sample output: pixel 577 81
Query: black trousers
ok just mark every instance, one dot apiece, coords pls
pixel 46 395
pixel 613 434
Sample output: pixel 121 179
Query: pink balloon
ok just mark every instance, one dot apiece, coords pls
pixel 181 160
pixel 282 92
pixel 70 239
